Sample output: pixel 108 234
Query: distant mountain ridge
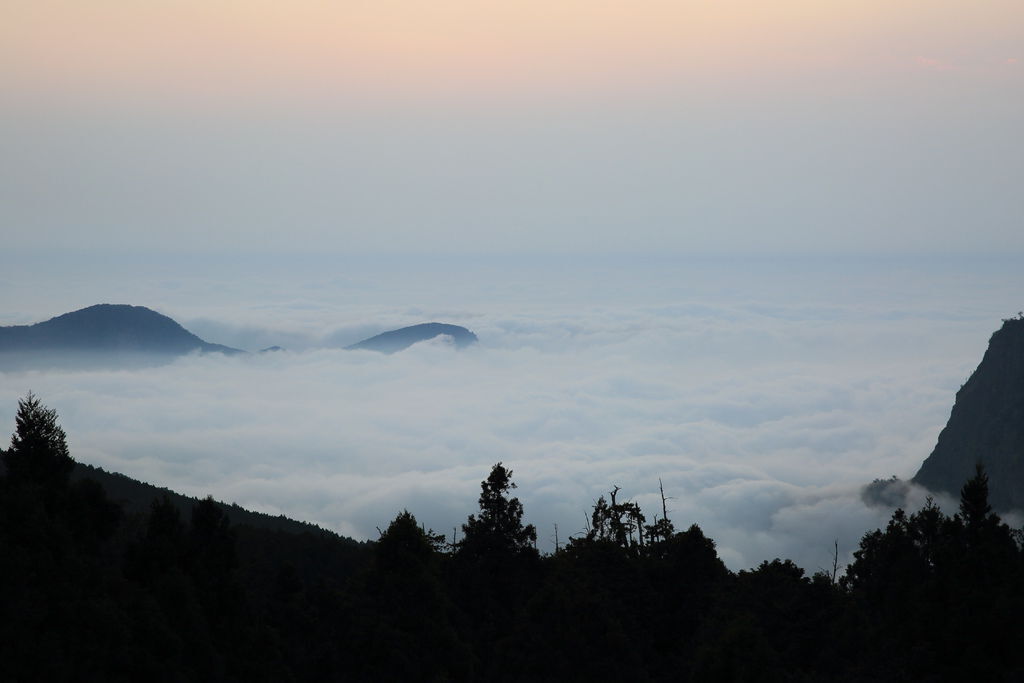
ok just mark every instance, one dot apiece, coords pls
pixel 122 335
pixel 107 328
pixel 400 339
pixel 986 425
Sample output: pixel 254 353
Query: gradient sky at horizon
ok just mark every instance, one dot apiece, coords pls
pixel 471 126
pixel 395 44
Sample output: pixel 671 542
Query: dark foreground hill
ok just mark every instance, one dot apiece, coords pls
pixel 104 332
pixel 94 592
pixel 986 425
pixel 398 340
pixel 137 497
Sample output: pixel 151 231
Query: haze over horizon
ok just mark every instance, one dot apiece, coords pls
pixel 750 249
pixel 533 127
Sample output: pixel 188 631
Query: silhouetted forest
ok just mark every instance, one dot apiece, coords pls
pixel 92 592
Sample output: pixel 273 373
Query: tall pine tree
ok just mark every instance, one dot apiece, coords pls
pixel 39 451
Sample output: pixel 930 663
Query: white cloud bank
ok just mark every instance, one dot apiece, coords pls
pixel 763 408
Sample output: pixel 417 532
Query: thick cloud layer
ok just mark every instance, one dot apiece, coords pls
pixel 762 400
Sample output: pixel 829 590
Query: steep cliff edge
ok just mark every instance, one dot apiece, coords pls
pixel 986 425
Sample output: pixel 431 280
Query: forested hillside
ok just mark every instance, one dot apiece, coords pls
pixel 94 592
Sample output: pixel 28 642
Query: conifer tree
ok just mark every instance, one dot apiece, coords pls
pixel 974 507
pixel 498 529
pixel 39 450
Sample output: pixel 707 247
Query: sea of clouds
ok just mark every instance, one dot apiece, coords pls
pixel 762 394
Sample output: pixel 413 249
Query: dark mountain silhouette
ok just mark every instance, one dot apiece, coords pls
pixel 986 425
pixel 103 329
pixel 136 497
pixel 397 340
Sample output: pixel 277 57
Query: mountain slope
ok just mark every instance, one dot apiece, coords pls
pixel 986 425
pixel 107 328
pixel 397 340
pixel 136 497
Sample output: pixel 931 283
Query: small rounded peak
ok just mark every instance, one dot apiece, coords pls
pixel 403 338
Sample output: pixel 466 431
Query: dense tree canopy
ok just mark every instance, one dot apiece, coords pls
pixel 91 593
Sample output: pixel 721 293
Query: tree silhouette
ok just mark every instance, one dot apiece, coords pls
pixel 974 507
pixel 494 571
pixel 941 596
pixel 619 523
pixel 39 450
pixel 402 614
pixel 91 593
pixel 498 529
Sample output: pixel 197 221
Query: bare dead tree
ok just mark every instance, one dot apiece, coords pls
pixel 664 505
pixel 834 572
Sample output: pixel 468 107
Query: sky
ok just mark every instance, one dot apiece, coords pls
pixel 749 248
pixel 462 126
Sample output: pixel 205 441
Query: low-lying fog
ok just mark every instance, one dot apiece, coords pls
pixel 762 394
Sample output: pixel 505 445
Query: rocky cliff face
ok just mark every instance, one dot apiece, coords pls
pixel 986 425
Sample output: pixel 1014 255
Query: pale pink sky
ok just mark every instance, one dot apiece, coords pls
pixel 266 47
pixel 866 125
